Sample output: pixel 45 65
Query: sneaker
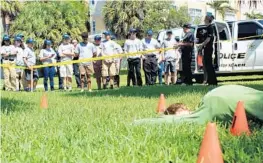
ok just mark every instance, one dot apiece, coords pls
pixel 111 86
pixel 70 89
pixel 90 90
pixel 65 88
pixel 82 90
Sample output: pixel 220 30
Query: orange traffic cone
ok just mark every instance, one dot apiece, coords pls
pixel 161 104
pixel 210 151
pixel 43 103
pixel 239 123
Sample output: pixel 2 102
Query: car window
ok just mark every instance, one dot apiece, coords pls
pixel 260 21
pixel 249 31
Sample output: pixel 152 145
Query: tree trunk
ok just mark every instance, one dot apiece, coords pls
pixel 7 22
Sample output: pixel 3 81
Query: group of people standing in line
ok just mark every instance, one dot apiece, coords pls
pixel 22 54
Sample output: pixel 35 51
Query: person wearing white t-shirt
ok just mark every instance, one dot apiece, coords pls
pixel 150 63
pixel 97 65
pixel 133 45
pixel 66 52
pixel 48 56
pixel 170 57
pixel 8 54
pixel 86 50
pixel 117 61
pixel 20 73
pixel 108 65
pixel 30 60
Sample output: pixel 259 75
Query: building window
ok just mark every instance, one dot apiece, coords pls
pixel 92 2
pixel 93 26
pixel 195 13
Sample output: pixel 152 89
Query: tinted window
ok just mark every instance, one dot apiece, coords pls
pixel 261 22
pixel 246 31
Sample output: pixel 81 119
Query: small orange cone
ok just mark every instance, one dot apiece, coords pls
pixel 161 104
pixel 210 151
pixel 43 103
pixel 239 123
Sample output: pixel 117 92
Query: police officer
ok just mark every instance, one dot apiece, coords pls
pixel 187 45
pixel 150 63
pixel 207 45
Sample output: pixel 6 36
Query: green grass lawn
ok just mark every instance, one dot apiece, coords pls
pixel 96 127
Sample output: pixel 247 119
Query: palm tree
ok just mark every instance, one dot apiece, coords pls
pixel 120 16
pixel 9 10
pixel 254 15
pixel 221 6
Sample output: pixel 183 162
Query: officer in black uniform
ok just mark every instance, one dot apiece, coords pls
pixel 207 45
pixel 187 45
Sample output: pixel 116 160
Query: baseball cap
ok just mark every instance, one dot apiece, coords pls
pixel 97 38
pixel 20 35
pixel 169 32
pixel 6 38
pixel 187 26
pixel 48 42
pixel 106 33
pixel 30 41
pixel 66 36
pixel 149 32
pixel 133 30
pixel 17 38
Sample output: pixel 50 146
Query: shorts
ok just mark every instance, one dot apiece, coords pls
pixel 28 75
pixel 108 69
pixel 97 69
pixel 117 65
pixel 86 69
pixel 66 70
pixel 169 66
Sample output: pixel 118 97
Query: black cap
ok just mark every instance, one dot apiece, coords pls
pixel 187 26
pixel 169 32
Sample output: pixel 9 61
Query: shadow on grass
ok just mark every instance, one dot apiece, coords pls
pixel 10 105
pixel 154 91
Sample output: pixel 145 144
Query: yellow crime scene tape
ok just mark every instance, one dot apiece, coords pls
pixel 86 59
pixel 110 56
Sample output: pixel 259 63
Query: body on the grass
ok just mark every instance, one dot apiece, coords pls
pixel 30 60
pixel 20 73
pixel 86 50
pixel 97 65
pixel 150 63
pixel 66 52
pixel 48 56
pixel 8 54
pixel 108 65
pixel 217 105
pixel 133 45
pixel 170 57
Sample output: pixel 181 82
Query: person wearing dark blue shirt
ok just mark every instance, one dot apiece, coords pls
pixel 207 45
pixel 187 46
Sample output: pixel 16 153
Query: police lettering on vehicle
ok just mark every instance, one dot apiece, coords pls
pixel 232 56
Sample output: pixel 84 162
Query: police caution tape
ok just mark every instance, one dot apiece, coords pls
pixel 87 59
